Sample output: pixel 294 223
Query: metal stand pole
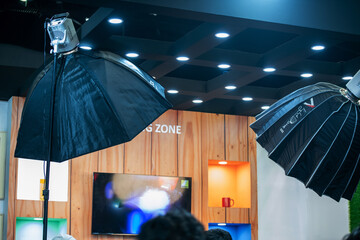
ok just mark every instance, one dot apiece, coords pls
pixel 47 172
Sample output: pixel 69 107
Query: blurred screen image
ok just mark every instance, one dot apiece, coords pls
pixel 123 202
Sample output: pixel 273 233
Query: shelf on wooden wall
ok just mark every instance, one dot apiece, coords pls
pixel 237 231
pixel 231 180
pixel 31 228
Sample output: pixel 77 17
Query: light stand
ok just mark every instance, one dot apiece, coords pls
pixel 63 39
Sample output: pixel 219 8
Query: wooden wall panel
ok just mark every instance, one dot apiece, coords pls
pixel 213 136
pixel 237 215
pixel 12 170
pixel 138 154
pixel 112 159
pixel 216 215
pixel 253 171
pixel 203 137
pixel 212 147
pixel 81 195
pixel 236 138
pixel 26 208
pixel 189 155
pixel 164 145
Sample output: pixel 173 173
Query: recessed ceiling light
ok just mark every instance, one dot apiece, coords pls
pixel 306 75
pixel 182 58
pixel 347 77
pixel 197 101
pixel 247 99
pixel 85 47
pixel 173 91
pixel 269 69
pixel 265 107
pixel 223 162
pixel 132 54
pixel 223 66
pixel 222 35
pixel 318 47
pixel 230 87
pixel 115 20
pixel 86 19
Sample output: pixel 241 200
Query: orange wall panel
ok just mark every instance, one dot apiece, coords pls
pixel 243 186
pixel 229 181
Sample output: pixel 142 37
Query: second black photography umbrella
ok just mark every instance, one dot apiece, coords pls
pixel 314 135
pixel 84 102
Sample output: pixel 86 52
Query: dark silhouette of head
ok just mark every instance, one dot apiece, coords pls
pixel 354 235
pixel 218 234
pixel 175 225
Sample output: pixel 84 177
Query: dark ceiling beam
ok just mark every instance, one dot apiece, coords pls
pixel 15 56
pixel 241 61
pixel 340 16
pixel 183 84
pixel 147 48
pixel 351 67
pixel 87 32
pixel 193 44
pixel 315 67
pixel 283 56
pixel 334 79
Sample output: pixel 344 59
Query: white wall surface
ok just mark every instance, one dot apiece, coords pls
pixel 287 210
pixel 3 116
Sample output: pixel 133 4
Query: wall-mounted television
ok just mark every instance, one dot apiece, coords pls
pixel 123 202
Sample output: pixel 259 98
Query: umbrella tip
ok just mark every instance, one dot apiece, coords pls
pixel 353 86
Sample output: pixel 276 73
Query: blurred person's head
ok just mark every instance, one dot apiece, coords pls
pixel 218 234
pixel 354 235
pixel 175 225
pixel 63 237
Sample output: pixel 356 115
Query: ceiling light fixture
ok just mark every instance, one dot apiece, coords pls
pixel 230 87
pixel 269 69
pixel 223 162
pixel 173 91
pixel 306 75
pixel 85 47
pixel 247 99
pixel 265 107
pixel 347 78
pixel 132 54
pixel 197 101
pixel 318 47
pixel 115 20
pixel 224 66
pixel 182 58
pixel 222 35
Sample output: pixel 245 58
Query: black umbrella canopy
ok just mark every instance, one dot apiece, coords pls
pixel 101 100
pixel 313 134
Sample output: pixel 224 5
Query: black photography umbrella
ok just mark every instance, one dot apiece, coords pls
pixel 314 135
pixel 84 102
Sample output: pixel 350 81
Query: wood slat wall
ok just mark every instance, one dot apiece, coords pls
pixel 204 136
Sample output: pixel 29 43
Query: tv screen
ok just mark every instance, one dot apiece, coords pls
pixel 123 202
